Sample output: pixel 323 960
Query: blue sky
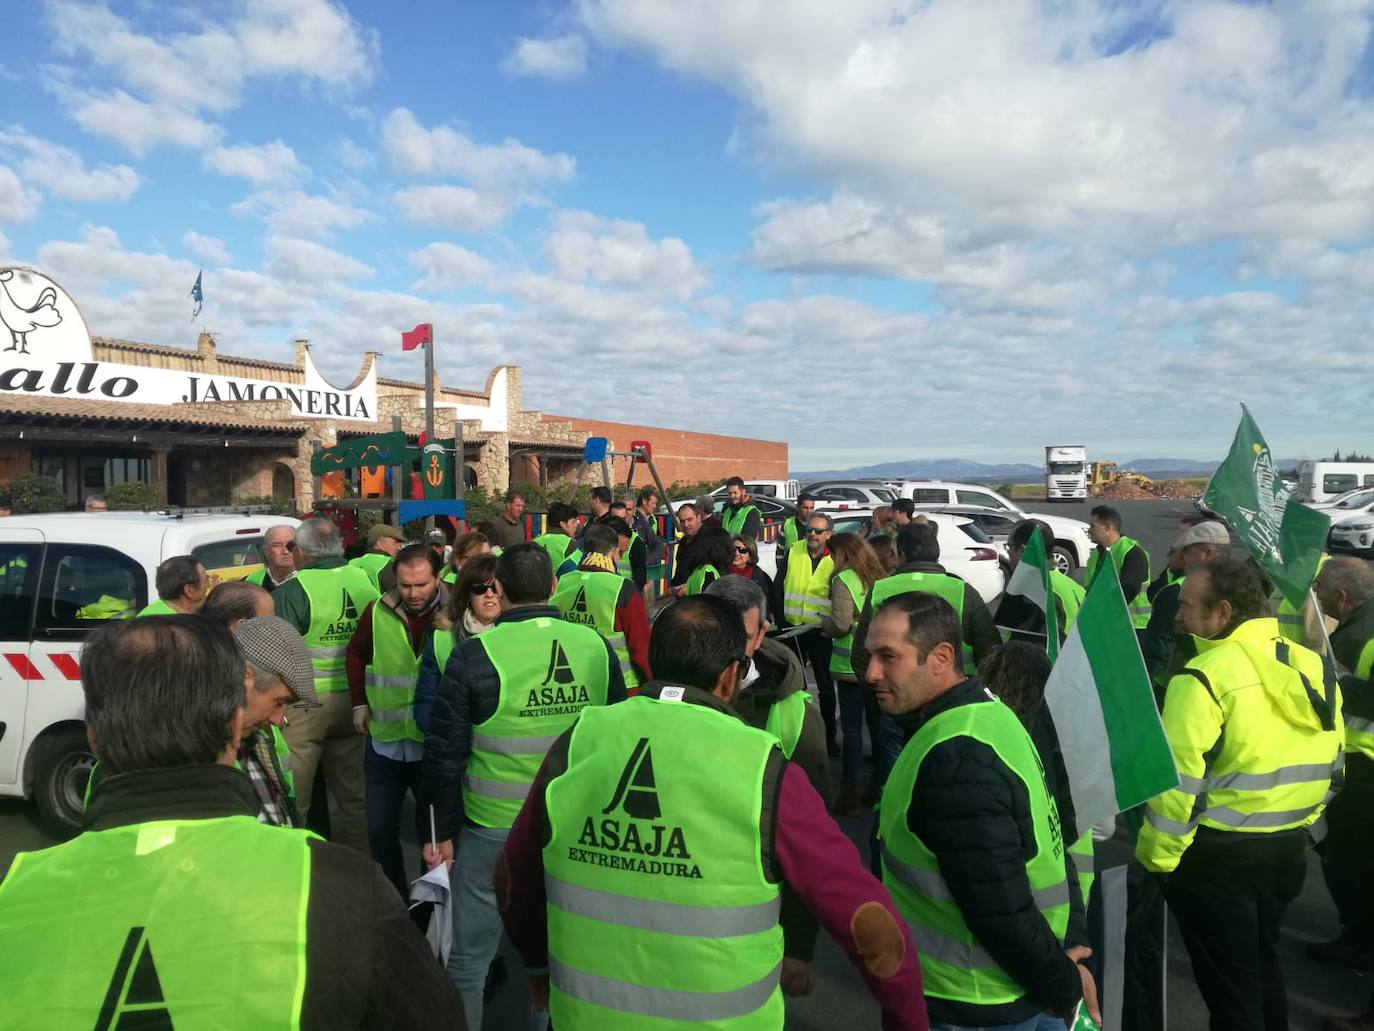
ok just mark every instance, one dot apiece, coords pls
pixel 876 231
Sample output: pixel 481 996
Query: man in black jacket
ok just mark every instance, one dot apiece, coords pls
pixel 971 809
pixel 185 860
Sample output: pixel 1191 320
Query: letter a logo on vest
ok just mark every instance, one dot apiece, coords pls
pixel 560 669
pixel 134 998
pixel 580 602
pixel 348 610
pixel 637 790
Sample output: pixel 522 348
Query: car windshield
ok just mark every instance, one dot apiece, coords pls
pixel 885 495
pixel 1356 499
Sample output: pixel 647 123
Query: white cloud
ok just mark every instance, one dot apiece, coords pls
pixel 293 213
pixel 448 266
pixel 445 151
pixel 583 246
pixel 270 163
pixel 560 58
pixel 139 126
pixel 451 207
pixel 62 173
pixel 4 248
pixel 307 263
pixel 313 38
pixel 353 156
pixel 207 248
pixel 18 203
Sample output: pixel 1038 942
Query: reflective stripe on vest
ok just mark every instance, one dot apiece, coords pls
pixel 806 589
pixel 337 599
pixel 158 934
pixel 550 671
pixel 953 963
pixel 589 597
pixel 942 585
pixel 1139 606
pixel 842 647
pixel 1359 735
pixel 658 906
pixel 390 678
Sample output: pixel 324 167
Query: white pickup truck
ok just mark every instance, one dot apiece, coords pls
pixel 61 576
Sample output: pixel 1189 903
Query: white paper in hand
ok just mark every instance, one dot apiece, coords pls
pixel 434 887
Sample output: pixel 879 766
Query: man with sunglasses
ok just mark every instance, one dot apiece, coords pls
pixel 801 593
pixel 383 660
pixel 642 878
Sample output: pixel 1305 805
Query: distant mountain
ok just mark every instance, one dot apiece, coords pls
pixel 958 469
pixel 1170 465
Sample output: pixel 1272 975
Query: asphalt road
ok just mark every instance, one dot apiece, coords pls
pixel 841 1000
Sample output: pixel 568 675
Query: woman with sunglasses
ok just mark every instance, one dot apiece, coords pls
pixel 746 563
pixel 857 568
pixel 473 605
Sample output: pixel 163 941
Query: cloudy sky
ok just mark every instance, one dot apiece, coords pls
pixel 876 230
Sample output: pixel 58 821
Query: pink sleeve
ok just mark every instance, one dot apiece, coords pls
pixel 824 868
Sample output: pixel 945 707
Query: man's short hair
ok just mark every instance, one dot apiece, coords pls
pixel 233 600
pixel 688 504
pixel 694 639
pixel 1352 575
pixel 905 506
pixel 645 494
pixel 620 505
pixel 601 494
pixel 1022 532
pixel 1237 581
pixel 804 496
pixel 93 500
pixel 318 539
pixel 829 522
pixel 742 593
pixel 513 495
pixel 919 542
pixel 525 574
pixel 417 553
pixel 161 692
pixel 930 620
pixel 561 512
pixel 616 523
pixel 175 575
pixel 601 538
pixel 735 481
pixel 1107 516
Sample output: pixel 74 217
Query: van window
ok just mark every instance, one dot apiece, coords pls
pixel 885 495
pixel 929 496
pixel 237 551
pixel 1339 483
pixel 18 584
pixel 1369 480
pixel 977 497
pixel 84 585
pixel 768 490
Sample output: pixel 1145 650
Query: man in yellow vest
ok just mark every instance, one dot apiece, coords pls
pixel 504 697
pixel 1345 590
pixel 384 541
pixel 965 809
pixel 324 601
pixel 200 915
pixel 801 595
pixel 794 529
pixel 598 595
pixel 383 662
pixel 634 558
pixel 1131 560
pixel 279 559
pixel 741 516
pixel 1163 643
pixel 1017 615
pixel 641 880
pixel 1256 729
pixel 182 587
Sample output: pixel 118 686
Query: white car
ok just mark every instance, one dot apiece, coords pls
pixel 1353 531
pixel 1072 541
pixel 61 576
pixel 965 550
pixel 842 495
pixel 1346 503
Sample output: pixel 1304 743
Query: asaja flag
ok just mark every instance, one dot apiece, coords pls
pixel 1031 580
pixel 421 334
pixel 197 294
pixel 1110 735
pixel 1285 537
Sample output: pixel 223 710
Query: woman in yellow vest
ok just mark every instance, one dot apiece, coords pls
pixel 856 570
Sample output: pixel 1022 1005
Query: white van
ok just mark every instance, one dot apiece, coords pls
pixel 1324 481
pixel 783 490
pixel 61 576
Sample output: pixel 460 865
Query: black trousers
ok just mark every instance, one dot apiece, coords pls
pixel 815 649
pixel 1348 851
pixel 1229 895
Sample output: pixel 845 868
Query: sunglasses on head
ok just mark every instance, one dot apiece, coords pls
pixel 486 588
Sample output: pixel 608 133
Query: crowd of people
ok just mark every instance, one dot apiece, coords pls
pixel 647 810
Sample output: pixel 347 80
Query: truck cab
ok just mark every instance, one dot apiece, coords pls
pixel 1066 472
pixel 61 576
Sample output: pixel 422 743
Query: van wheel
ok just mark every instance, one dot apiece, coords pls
pixel 62 766
pixel 1064 559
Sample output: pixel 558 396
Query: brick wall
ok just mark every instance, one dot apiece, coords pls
pixel 687 456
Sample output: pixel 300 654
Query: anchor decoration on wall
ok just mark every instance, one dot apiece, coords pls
pixel 21 320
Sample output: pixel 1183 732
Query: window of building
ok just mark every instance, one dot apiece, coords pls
pixel 19 565
pixel 85 584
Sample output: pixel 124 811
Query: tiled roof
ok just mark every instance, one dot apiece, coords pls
pixel 190 353
pixel 119 412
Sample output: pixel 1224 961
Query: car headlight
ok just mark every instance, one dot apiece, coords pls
pixel 1360 526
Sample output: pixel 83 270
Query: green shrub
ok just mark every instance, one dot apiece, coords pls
pixel 33 493
pixel 131 497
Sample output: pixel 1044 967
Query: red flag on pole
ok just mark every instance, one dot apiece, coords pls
pixel 421 334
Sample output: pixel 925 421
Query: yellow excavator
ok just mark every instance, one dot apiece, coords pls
pixel 1102 475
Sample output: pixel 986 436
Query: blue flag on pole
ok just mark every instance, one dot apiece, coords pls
pixel 197 295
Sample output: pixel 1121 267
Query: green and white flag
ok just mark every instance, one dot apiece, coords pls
pixel 1031 580
pixel 1110 733
pixel 1285 537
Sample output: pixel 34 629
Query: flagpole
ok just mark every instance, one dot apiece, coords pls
pixel 429 403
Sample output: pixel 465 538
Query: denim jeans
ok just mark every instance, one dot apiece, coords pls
pixel 852 727
pixel 387 783
pixel 1043 1022
pixel 476 922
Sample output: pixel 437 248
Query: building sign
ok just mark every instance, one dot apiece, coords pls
pixel 45 349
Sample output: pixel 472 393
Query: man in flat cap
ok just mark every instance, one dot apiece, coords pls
pixel 383 541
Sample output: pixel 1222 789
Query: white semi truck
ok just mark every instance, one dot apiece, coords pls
pixel 1066 472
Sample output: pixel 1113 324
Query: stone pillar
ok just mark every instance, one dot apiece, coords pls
pixel 160 473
